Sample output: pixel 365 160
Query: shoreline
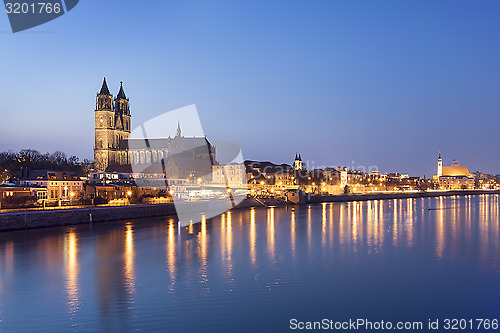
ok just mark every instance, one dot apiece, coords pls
pixel 24 220
pixel 402 195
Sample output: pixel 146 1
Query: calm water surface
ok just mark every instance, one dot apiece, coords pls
pixel 253 270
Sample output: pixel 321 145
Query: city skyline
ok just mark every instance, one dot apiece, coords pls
pixel 260 166
pixel 341 84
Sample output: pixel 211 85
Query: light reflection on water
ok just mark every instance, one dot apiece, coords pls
pixel 374 258
pixel 71 249
pixel 129 262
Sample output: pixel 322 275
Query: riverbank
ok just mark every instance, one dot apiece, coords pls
pixel 396 195
pixel 61 217
pixel 10 221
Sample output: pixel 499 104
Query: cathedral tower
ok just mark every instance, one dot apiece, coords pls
pixel 122 127
pixel 297 163
pixel 104 121
pixel 112 129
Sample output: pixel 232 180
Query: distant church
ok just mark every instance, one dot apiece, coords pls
pixel 114 151
pixel 454 177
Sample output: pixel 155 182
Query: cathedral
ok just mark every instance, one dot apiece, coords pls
pixel 112 129
pixel 114 151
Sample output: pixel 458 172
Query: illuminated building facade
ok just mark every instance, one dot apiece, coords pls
pixel 112 129
pixel 454 177
pixel 60 185
pixel 114 151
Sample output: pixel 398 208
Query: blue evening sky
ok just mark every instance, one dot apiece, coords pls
pixel 384 83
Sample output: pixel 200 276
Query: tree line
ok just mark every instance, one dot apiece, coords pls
pixel 11 162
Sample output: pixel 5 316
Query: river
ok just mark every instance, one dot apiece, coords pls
pixel 254 270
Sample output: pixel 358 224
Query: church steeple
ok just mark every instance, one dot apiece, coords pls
pixel 104 98
pixel 179 132
pixel 440 166
pixel 121 93
pixel 121 102
pixel 104 88
pixel 297 163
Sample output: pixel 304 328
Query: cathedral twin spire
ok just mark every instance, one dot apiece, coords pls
pixel 112 128
pixel 105 90
pixel 104 99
